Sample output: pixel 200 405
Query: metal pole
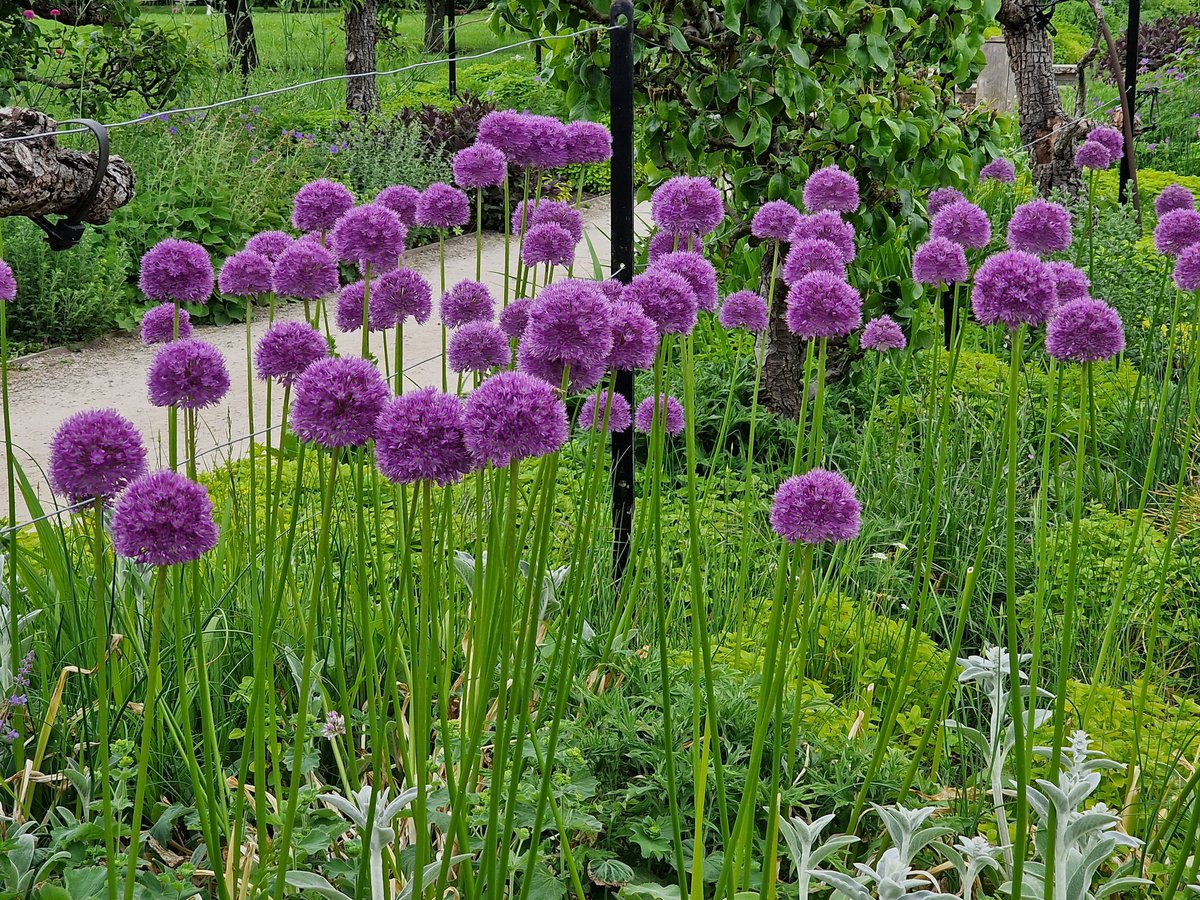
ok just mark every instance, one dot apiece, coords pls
pixel 537 54
pixel 452 46
pixel 1131 67
pixel 621 122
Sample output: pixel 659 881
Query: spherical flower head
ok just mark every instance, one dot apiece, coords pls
pixel 666 298
pixel 940 261
pixel 664 242
pixel 560 213
pixel 287 350
pixel 402 200
pixel 187 374
pixel 510 132
pixel 479 166
pixel 319 204
pixel 158 324
pixel 612 289
pixel 349 312
pixel 607 410
pixel 942 197
pixel 522 216
pixel 816 255
pixel 245 274
pixel 1040 227
pixel 1173 197
pixel 669 410
pixel 8 283
pixel 635 338
pixel 1013 288
pixel 177 270
pixel 548 243
pixel 882 334
pixel 1187 269
pixel 337 402
pixel 775 220
pixel 467 301
pixel 421 436
pixel 579 378
pixel 370 234
pixel 696 271
pixel 95 454
pixel 816 507
pixel 827 226
pixel 399 295
pixel 1092 155
pixel 1110 139
pixel 514 416
pixel 686 205
pixel 443 206
pixel 270 244
pixel 822 305
pixel 1085 330
pixel 999 169
pixel 305 271
pixel 548 143
pixel 588 142
pixel 477 347
pixel 1069 282
pixel 571 322
pixel 964 223
pixel 163 519
pixel 1176 231
pixel 831 188
pixel 744 309
pixel 514 318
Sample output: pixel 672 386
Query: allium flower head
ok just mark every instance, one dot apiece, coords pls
pixel 685 205
pixel 337 402
pixel 827 226
pixel 1069 282
pixel 666 298
pixel 559 213
pixel 510 132
pixel 548 143
pixel 1187 269
pixel 1040 227
pixel 479 166
pixel 595 409
pixel 882 334
pixel 158 324
pixel 548 243
pixel 964 223
pixel 1092 155
pixel 402 200
pixel 349 312
pixel 816 507
pixel 477 347
pixel 319 204
pixel 1173 197
pixel 399 295
pixel 1110 139
pixel 287 349
pixel 514 416
pixel 775 220
pixel 188 374
pixel 831 188
pixel 1013 287
pixel 245 274
pixel 421 436
pixel 669 409
pixel 8 283
pixel 940 261
pixel 335 725
pixel 177 270
pixel 822 305
pixel 942 197
pixel 1085 331
pixel 588 142
pixel 744 309
pixel 664 242
pixel 467 301
pixel 270 244
pixel 635 338
pixel 305 271
pixel 579 377
pixel 370 234
pixel 812 255
pixel 612 289
pixel 571 322
pixel 443 206
pixel 163 519
pixel 95 454
pixel 999 169
pixel 1176 231
pixel 514 318
pixel 696 271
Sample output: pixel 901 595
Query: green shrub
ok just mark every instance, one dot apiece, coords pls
pixel 1070 43
pixel 1150 184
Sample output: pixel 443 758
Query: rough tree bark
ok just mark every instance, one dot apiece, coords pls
pixel 82 13
pixel 783 369
pixel 362 94
pixel 38 177
pixel 435 26
pixel 239 34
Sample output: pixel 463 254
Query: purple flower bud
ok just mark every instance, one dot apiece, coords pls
pixel 270 244
pixel 964 223
pixel 402 200
pixel 940 262
pixel 305 272
pixel 827 226
pixel 611 412
pixel 775 220
pixel 999 169
pixel 667 407
pixel 443 206
pixel 372 235
pixel 1013 288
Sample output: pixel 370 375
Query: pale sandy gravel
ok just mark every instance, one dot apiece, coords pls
pixel 112 372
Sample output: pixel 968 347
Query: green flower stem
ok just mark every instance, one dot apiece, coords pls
pixel 102 692
pixel 478 238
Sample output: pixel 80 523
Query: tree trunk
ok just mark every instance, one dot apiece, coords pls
pixel 239 34
pixel 783 370
pixel 435 20
pixel 1031 57
pixel 362 94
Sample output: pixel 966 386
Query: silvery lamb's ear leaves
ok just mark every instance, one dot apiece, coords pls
pixel 346 808
pixel 310 881
pixel 974 735
pixel 1115 885
pixel 402 800
pixel 843 884
pixel 833 845
pixel 431 873
pixel 1089 823
pixel 464 567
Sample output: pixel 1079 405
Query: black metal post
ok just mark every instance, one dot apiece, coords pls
pixel 1131 66
pixel 621 123
pixel 537 54
pixel 452 47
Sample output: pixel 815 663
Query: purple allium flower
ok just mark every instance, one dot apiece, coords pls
pixel 514 318
pixel 744 309
pixel 696 271
pixel 8 283
pixel 1173 197
pixel 442 206
pixel 1092 155
pixel 940 261
pixel 964 223
pixel 548 243
pixel 319 204
pixel 882 334
pixel 815 507
pixel 479 166
pixel 635 338
pixel 1085 330
pixel 685 205
pixel 1040 227
pixel 1176 231
pixel 514 416
pixel 668 407
pixel 612 289
pixel 831 188
pixel 337 402
pixel 287 349
pixel 522 216
pixel 510 132
pixel 548 143
pixel 559 213
pixel 370 234
pixel 95 454
pixel 421 436
pixel 349 312
pixel 941 197
pixel 664 242
pixel 666 298
pixel 335 725
pixel 305 271
pixel 827 226
pixel 776 219
pixel 399 295
pixel 158 324
pixel 188 374
pixel 588 142
pixel 1187 269
pixel 1069 282
pixel 177 270
pixel 606 404
pixel 822 305
pixel 270 244
pixel 816 255
pixel 571 322
pixel 1013 287
pixel 467 301
pixel 245 274
pixel 163 519
pixel 579 378
pixel 999 169
pixel 1110 139
pixel 477 347
pixel 402 200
